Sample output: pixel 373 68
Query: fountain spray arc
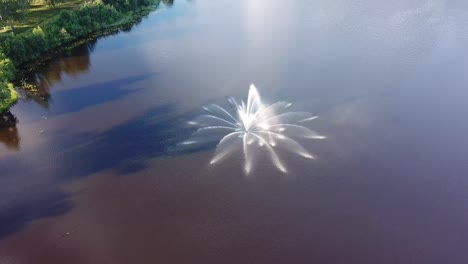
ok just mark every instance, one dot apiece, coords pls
pixel 255 124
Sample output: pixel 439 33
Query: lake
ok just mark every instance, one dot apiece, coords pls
pixel 92 169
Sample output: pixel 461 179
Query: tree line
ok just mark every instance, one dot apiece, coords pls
pixel 70 25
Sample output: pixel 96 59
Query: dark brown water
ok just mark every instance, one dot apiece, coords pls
pixel 91 172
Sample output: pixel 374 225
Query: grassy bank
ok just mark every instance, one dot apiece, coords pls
pixel 91 19
pixel 39 13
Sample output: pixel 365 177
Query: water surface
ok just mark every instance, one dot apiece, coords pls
pixel 91 171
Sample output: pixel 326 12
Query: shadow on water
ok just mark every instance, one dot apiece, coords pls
pixel 70 101
pixel 73 100
pixel 8 131
pixel 13 219
pixel 126 149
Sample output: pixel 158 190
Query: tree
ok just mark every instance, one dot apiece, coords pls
pixel 13 10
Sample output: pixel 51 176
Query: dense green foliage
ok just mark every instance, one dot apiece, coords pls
pixel 61 29
pixel 125 5
pixel 13 9
pixel 7 72
pixel 93 16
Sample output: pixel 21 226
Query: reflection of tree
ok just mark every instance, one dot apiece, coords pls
pixel 129 27
pixel 168 2
pixel 71 63
pixel 8 131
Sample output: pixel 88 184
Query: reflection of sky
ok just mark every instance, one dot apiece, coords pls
pixel 314 48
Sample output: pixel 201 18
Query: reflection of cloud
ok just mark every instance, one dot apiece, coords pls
pixel 8 130
pixel 254 124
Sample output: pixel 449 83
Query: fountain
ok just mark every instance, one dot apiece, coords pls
pixel 254 124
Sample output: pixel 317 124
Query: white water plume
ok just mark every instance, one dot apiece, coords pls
pixel 254 124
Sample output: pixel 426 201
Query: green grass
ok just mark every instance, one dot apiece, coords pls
pixel 40 12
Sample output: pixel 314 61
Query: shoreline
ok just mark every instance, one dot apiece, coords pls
pixel 33 65
pixel 128 20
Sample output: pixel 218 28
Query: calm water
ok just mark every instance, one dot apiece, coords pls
pixel 91 171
